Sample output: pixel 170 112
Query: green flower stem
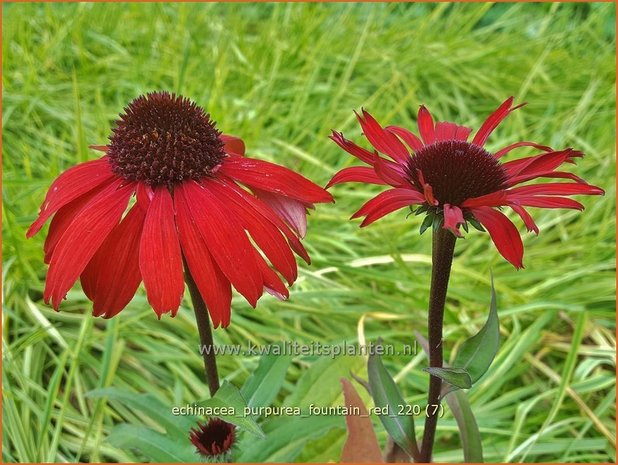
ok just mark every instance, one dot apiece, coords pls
pixel 203 325
pixel 443 246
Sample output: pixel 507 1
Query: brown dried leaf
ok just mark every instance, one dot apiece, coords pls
pixel 361 445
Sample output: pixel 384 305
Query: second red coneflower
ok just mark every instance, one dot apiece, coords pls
pixel 456 181
pixel 180 180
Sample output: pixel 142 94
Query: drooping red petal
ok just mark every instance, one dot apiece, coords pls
pixel 363 174
pixel 525 216
pixel 83 237
pixel 450 131
pixel 494 120
pixel 540 201
pixel 265 210
pixel 71 184
pixel 272 283
pixel 387 202
pixel 160 260
pixel 225 238
pixel 214 287
pixel 427 189
pixel 503 233
pixel 453 217
pixel 494 199
pixel 63 218
pixel 112 276
pixel 541 163
pixel 233 145
pixel 292 211
pixel 507 149
pixel 100 148
pixel 264 233
pixel 425 125
pixel 408 137
pixel 353 149
pixel 556 188
pixel 392 173
pixel 274 178
pixel 382 140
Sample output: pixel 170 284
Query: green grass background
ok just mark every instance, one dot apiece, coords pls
pixel 281 76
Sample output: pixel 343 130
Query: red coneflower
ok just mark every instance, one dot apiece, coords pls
pixel 185 175
pixel 455 181
pixel 213 438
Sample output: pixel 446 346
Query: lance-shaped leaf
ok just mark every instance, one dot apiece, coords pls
pixel 476 354
pixel 361 445
pixel 386 395
pixel 458 377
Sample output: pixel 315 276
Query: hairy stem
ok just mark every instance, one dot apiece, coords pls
pixel 203 326
pixel 443 247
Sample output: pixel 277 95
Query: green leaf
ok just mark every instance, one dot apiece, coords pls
pixel 175 425
pixel 386 395
pixel 229 396
pixel 458 377
pixel 427 222
pixel 476 354
pixel 468 429
pixel 460 407
pixel 155 446
pixel 262 387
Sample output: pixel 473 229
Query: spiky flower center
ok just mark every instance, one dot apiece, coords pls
pixel 213 438
pixel 163 139
pixel 456 171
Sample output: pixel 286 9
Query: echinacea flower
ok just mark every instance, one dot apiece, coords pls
pixel 456 181
pixel 213 438
pixel 188 207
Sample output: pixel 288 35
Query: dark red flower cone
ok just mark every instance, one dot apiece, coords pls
pixel 190 193
pixel 214 438
pixel 456 181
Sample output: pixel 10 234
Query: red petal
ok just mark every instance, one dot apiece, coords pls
pixel 274 178
pixel 427 189
pixel 453 217
pixel 233 145
pixel 71 184
pixel 292 211
pixel 503 233
pixel 451 131
pixel 264 233
pixel 83 237
pixel 494 199
pixel 540 163
pixel 525 216
pixel 382 140
pixel 505 150
pixel 264 209
pixel 556 188
pixel 387 202
pixel 112 276
pixel 353 149
pixel 493 121
pixel 408 137
pixel 225 238
pixel 391 172
pixel 426 126
pixel 214 287
pixel 545 202
pixel 272 283
pixel 545 174
pixel 160 260
pixel 356 174
pixel 63 218
pixel 100 148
